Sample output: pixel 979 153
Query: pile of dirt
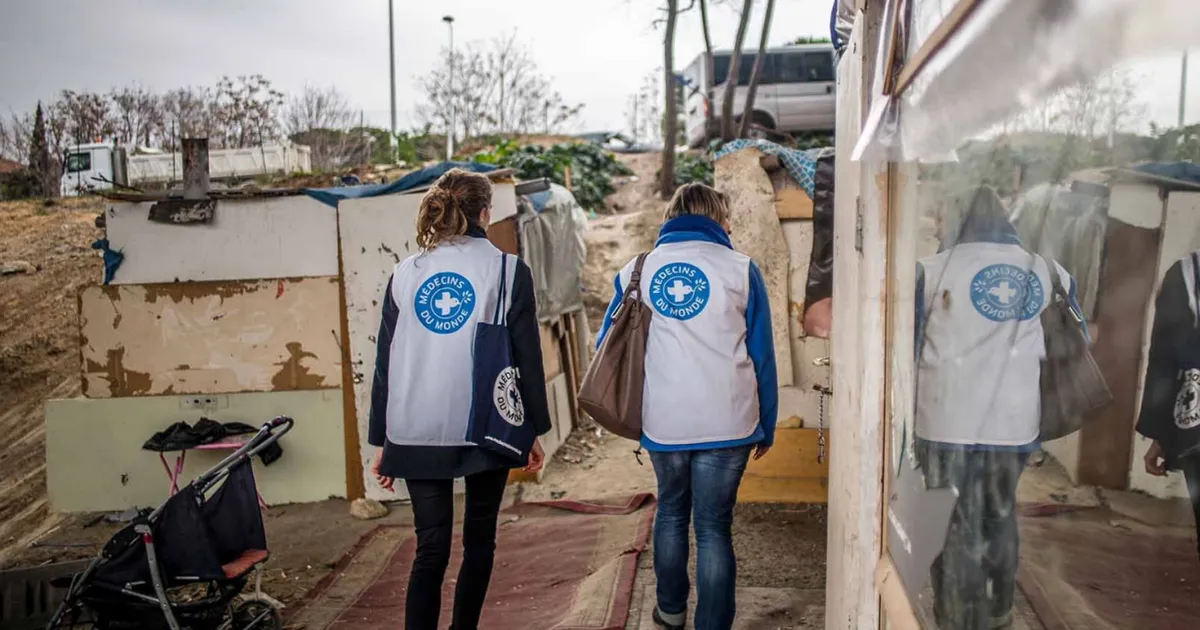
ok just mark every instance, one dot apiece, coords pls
pixel 614 240
pixel 48 247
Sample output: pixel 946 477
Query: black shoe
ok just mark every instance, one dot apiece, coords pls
pixel 658 621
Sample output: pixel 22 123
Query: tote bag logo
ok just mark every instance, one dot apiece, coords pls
pixel 507 397
pixel 679 291
pixel 1187 402
pixel 444 302
pixel 1004 293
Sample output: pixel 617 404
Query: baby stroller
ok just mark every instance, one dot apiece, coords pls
pixel 184 565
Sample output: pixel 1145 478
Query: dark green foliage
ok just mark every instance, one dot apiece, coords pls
pixel 693 167
pixel 40 163
pixel 592 168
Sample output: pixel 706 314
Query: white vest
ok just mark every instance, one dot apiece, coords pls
pixel 700 383
pixel 441 295
pixel 979 369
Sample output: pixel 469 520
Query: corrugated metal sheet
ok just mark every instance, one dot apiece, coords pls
pixel 210 337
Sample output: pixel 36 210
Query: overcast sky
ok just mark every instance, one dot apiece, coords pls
pixel 597 52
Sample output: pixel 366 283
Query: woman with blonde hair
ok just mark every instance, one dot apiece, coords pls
pixel 424 421
pixel 709 399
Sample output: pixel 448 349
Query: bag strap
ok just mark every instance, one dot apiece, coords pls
pixel 1056 283
pixel 496 317
pixel 1195 256
pixel 635 279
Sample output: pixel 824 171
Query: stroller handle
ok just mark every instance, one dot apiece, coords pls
pixel 269 434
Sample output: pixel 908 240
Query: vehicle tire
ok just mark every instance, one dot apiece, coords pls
pixel 762 127
pixel 245 614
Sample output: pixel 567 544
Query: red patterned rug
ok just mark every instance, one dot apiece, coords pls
pixel 560 565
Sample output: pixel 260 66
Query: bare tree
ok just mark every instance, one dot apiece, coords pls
pixel 731 79
pixel 138 114
pixel 321 119
pixel 15 136
pixel 246 111
pixel 709 114
pixel 752 89
pixel 85 117
pixel 644 115
pixel 497 89
pixel 666 185
pixel 187 112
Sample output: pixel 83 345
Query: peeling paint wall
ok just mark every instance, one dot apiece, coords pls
pixel 94 459
pixel 210 337
pixel 284 237
pixel 800 405
pixel 377 233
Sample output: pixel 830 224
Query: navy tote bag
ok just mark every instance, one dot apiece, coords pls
pixel 497 420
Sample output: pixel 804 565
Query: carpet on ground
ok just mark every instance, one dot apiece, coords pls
pixel 560 565
pixel 1092 569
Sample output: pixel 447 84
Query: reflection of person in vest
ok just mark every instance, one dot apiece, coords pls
pixel 421 393
pixel 710 397
pixel 1170 414
pixel 979 348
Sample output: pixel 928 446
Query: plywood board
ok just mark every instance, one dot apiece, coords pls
pixel 210 337
pixel 95 461
pixel 756 233
pixel 551 357
pixel 790 472
pixel 377 233
pixel 248 239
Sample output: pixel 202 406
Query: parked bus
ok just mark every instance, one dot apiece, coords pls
pixel 796 91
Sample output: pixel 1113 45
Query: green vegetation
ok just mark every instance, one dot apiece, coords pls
pixel 592 168
pixel 693 167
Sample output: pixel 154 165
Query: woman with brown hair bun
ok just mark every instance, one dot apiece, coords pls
pixel 428 425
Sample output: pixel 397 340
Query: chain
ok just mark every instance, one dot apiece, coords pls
pixel 822 391
pixel 821 425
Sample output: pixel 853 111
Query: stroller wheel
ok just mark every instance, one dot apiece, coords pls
pixel 256 615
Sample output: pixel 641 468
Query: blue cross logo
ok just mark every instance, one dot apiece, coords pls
pixel 1004 293
pixel 444 302
pixel 679 291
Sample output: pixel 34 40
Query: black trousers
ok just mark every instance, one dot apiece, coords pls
pixel 1191 472
pixel 974 579
pixel 433 514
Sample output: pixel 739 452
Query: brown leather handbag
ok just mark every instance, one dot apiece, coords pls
pixel 612 388
pixel 1073 387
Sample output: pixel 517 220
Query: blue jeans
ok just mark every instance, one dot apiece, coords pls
pixel 703 484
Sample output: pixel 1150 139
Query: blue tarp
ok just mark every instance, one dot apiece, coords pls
pixel 415 179
pixel 1183 171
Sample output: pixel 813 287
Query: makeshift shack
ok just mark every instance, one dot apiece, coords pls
pixel 771 191
pixel 1149 218
pixel 243 305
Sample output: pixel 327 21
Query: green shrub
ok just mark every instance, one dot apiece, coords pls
pixel 592 168
pixel 693 167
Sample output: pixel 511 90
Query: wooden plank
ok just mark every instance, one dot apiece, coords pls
pixel 210 337
pixel 355 474
pixel 1125 292
pixel 855 474
pixel 899 609
pixel 791 202
pixel 551 359
pixel 248 239
pixel 504 235
pixel 930 47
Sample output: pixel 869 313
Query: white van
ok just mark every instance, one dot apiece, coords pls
pixel 796 91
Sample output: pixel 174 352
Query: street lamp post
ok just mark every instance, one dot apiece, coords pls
pixel 449 20
pixel 392 72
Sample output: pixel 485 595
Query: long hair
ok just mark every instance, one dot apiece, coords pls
pixel 454 204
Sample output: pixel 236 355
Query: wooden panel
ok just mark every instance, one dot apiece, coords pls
pixel 377 233
pixel 789 473
pixel 856 470
pixel 281 237
pixel 503 235
pixel 210 337
pixel 95 461
pixel 1125 291
pixel 551 358
pixel 800 405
